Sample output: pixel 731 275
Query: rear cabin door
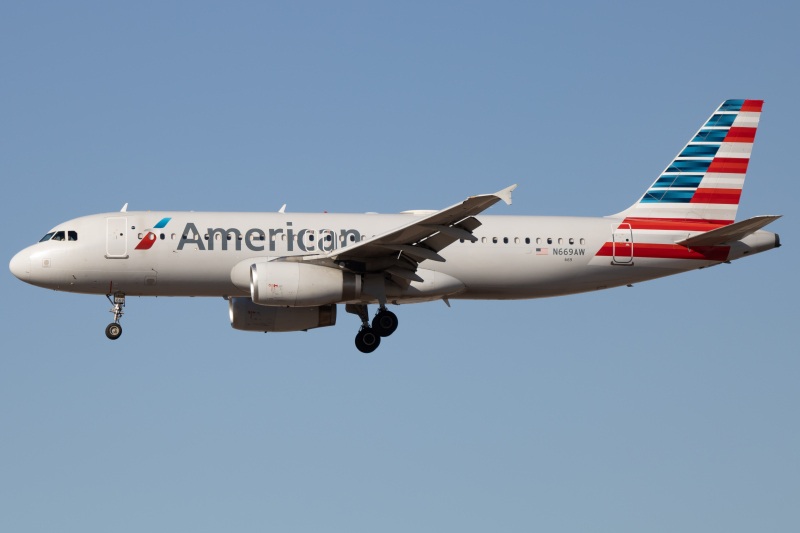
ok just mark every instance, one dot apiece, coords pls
pixel 623 244
pixel 116 237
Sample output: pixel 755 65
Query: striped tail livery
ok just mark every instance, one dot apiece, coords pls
pixel 704 182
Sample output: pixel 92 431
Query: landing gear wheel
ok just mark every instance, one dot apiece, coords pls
pixel 367 341
pixel 113 331
pixel 384 323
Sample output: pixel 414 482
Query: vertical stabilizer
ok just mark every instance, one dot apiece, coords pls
pixel 704 182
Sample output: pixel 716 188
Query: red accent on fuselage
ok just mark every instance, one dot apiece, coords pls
pixel 670 251
pixel 677 224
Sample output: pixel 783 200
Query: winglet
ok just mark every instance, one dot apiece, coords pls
pixel 282 209
pixel 505 194
pixel 124 208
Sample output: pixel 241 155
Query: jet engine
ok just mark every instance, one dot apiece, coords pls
pixel 292 284
pixel 247 316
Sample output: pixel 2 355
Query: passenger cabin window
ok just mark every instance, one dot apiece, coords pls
pixel 140 236
pixel 527 240
pixel 516 240
pixel 505 240
pixel 59 236
pixel 571 240
pixel 494 240
pixel 560 240
pixel 163 236
pixel 538 240
pixel 172 236
pixel 47 237
pixel 72 235
pixel 483 240
pixel 549 240
pixel 583 241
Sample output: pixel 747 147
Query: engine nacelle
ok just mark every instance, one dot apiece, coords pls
pixel 247 316
pixel 291 284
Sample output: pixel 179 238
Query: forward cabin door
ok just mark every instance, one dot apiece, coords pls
pixel 623 244
pixel 116 237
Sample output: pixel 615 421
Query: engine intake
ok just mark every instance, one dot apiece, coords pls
pixel 291 284
pixel 247 316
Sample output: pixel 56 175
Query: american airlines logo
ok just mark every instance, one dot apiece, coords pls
pixel 150 236
pixel 306 240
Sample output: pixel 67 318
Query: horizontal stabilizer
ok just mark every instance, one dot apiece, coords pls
pixel 730 233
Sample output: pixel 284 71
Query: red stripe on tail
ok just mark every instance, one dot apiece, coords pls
pixel 752 106
pixel 716 196
pixel 741 135
pixel 729 165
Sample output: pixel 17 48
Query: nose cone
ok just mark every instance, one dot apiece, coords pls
pixel 20 265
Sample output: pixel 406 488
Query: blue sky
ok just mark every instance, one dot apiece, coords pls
pixel 669 406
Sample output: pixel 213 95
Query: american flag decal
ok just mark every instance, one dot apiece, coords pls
pixel 541 251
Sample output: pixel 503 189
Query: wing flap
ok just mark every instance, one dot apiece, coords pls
pixel 422 238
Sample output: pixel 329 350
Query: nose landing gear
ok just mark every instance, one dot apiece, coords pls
pixel 114 330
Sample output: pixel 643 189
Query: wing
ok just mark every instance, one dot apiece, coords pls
pixel 399 251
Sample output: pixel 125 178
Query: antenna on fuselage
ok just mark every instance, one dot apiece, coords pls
pixel 124 208
pixel 281 210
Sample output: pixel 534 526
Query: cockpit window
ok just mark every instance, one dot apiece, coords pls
pixel 59 236
pixel 47 237
pixel 72 235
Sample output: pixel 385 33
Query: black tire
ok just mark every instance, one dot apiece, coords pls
pixel 384 323
pixel 367 341
pixel 113 331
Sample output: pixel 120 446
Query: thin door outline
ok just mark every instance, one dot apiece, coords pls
pixel 116 237
pixel 622 244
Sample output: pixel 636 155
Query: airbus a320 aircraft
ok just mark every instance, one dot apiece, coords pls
pixel 288 271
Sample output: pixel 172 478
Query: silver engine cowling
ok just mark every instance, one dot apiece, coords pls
pixel 247 316
pixel 292 284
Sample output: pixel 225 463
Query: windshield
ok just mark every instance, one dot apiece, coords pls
pixel 47 237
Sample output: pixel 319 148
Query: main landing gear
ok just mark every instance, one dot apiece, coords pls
pixel 369 337
pixel 114 330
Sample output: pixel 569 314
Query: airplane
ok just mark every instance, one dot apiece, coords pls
pixel 284 271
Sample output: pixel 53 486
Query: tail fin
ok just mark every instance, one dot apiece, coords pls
pixel 705 180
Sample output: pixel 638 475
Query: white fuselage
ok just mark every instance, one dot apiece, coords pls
pixel 515 257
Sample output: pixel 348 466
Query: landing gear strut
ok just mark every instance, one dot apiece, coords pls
pixel 385 322
pixel 114 330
